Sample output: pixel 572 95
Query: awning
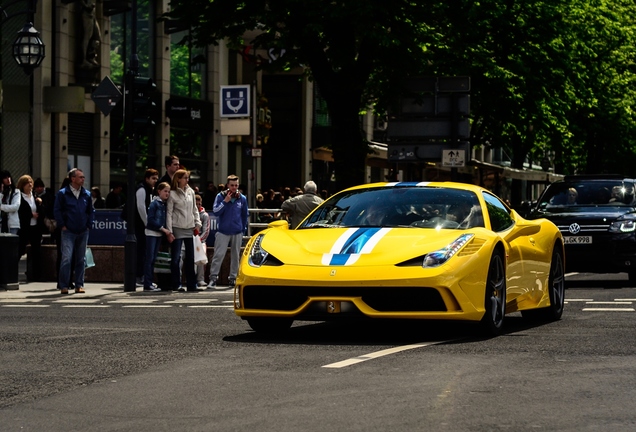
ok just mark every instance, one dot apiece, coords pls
pixel 519 174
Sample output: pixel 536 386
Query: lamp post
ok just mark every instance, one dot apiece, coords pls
pixel 28 48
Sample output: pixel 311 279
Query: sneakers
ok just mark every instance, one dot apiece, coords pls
pixel 139 282
pixel 152 288
pixel 201 284
pixel 64 291
pixel 231 282
pixel 212 284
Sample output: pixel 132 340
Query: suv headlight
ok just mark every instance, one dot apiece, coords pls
pixel 439 257
pixel 624 224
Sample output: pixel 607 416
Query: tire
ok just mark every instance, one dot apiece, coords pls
pixel 495 299
pixel 270 326
pixel 632 279
pixel 556 284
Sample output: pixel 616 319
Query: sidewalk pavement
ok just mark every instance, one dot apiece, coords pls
pixel 35 290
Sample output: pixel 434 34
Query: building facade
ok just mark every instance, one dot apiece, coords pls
pixel 50 123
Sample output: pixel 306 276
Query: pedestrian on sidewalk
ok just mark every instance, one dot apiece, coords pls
pixel 9 205
pixel 182 220
pixel 143 198
pixel 302 204
pixel 230 208
pixel 31 226
pixel 205 232
pixel 155 230
pixel 74 215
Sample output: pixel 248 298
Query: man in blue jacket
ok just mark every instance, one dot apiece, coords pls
pixel 230 209
pixel 74 216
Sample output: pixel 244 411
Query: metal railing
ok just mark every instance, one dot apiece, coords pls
pixel 254 223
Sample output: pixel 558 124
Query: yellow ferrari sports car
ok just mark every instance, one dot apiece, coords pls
pixel 406 250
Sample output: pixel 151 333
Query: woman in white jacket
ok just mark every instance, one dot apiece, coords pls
pixel 182 220
pixel 9 204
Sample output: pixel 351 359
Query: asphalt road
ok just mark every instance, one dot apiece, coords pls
pixel 188 363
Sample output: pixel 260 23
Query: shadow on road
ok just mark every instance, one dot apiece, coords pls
pixel 383 332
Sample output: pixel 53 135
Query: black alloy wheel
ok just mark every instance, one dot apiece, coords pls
pixel 556 286
pixel 495 301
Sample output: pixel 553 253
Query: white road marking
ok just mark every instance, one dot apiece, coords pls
pixel 382 353
pixel 610 302
pixel 630 300
pixel 140 306
pixel 192 301
pixel 79 301
pixel 212 306
pixel 20 300
pixel 25 305
pixel 609 310
pixel 579 300
pixel 86 306
pixel 133 301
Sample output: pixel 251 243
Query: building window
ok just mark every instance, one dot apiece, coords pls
pixel 120 61
pixel 120 47
pixel 187 66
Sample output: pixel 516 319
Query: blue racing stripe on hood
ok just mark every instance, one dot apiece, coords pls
pixel 356 242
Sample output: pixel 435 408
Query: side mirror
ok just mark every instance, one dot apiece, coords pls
pixel 283 224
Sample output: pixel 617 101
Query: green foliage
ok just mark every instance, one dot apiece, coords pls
pixel 547 75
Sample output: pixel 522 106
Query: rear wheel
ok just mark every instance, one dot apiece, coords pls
pixel 270 326
pixel 632 278
pixel 495 301
pixel 556 285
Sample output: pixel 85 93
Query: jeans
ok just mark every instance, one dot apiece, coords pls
pixel 72 242
pixel 152 249
pixel 188 263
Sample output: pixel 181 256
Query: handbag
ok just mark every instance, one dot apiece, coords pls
pixel 50 224
pixel 88 259
pixel 200 255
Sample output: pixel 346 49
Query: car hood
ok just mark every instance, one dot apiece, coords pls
pixel 581 213
pixel 360 246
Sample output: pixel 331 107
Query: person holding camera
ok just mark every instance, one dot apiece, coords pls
pixel 230 209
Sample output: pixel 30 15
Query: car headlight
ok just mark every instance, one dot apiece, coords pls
pixel 258 255
pixel 624 224
pixel 439 257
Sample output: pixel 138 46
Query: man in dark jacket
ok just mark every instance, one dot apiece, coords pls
pixel 143 197
pixel 74 216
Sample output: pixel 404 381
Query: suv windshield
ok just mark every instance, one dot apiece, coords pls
pixel 588 192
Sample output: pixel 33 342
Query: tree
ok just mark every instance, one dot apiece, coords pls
pixel 350 49
pixel 547 75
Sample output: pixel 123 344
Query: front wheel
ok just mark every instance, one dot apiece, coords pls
pixel 556 285
pixel 495 301
pixel 270 326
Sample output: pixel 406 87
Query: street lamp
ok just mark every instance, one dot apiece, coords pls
pixel 28 48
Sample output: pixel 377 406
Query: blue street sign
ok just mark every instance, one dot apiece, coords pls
pixel 235 101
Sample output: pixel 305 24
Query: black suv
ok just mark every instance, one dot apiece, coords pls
pixel 597 217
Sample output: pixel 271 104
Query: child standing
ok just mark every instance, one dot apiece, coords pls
pixel 205 232
pixel 155 228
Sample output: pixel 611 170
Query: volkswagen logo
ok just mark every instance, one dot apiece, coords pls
pixel 574 228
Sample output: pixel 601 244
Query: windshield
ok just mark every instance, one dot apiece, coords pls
pixel 586 193
pixel 423 207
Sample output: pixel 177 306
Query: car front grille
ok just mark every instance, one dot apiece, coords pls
pixel 382 299
pixel 587 228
